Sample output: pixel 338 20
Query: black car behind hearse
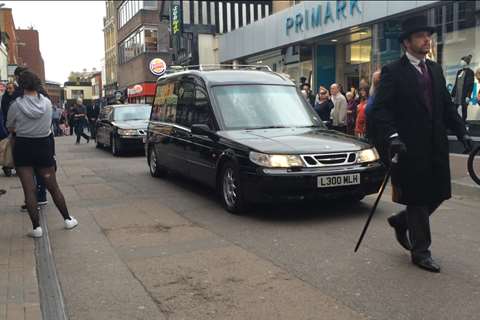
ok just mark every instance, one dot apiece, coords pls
pixel 250 135
pixel 122 127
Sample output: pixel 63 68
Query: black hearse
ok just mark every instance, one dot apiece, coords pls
pixel 251 135
pixel 122 127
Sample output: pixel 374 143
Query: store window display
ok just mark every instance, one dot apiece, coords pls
pixel 463 88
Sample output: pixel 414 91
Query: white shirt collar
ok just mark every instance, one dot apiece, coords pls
pixel 414 60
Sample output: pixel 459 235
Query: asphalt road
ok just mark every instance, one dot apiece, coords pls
pixel 165 249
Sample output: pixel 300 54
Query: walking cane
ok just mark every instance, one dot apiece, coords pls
pixel 382 188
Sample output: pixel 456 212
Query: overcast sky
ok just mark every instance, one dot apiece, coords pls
pixel 71 36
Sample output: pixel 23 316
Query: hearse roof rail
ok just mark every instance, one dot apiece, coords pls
pixel 213 67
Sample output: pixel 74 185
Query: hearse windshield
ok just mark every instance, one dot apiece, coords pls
pixel 263 107
pixel 130 113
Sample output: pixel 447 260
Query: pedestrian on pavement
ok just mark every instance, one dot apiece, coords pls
pixel 29 119
pixel 4 134
pixel 3 130
pixel 56 115
pixel 363 84
pixel 11 93
pixel 41 187
pixel 92 113
pixel 308 94
pixel 79 120
pixel 323 105
pixel 351 112
pixel 411 113
pixel 339 111
pixel 64 127
pixel 361 122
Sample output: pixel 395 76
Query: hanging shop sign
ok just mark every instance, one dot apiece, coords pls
pixel 157 66
pixel 327 12
pixel 175 19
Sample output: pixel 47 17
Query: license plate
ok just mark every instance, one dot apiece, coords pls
pixel 338 181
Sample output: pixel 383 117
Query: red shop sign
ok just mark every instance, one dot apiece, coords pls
pixel 141 90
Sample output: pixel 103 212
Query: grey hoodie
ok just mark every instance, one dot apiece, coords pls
pixel 31 116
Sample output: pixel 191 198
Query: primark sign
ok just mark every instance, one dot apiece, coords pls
pixel 309 20
pixel 325 13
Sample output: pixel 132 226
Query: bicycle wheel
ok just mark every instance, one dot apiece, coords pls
pixel 473 165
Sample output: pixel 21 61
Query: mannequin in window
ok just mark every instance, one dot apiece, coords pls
pixel 462 90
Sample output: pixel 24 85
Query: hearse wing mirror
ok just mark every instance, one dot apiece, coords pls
pixel 203 130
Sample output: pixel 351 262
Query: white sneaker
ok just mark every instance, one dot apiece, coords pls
pixel 70 224
pixel 36 233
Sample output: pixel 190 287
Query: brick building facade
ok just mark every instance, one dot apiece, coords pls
pixel 54 90
pixel 7 25
pixel 29 54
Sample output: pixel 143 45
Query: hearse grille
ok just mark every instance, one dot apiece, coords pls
pixel 329 159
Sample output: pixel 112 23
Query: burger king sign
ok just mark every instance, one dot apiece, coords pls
pixel 158 66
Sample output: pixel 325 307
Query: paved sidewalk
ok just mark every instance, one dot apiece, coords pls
pixel 19 298
pixel 462 184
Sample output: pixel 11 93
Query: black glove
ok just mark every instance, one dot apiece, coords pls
pixel 467 144
pixel 397 146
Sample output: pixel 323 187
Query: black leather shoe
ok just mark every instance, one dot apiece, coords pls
pixel 400 234
pixel 427 264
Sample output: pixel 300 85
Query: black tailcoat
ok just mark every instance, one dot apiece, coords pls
pixel 422 176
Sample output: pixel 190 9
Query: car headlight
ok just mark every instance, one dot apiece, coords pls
pixel 275 160
pixel 127 132
pixel 367 155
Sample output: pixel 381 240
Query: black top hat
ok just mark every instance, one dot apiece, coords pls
pixel 415 24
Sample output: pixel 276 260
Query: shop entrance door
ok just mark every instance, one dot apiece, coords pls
pixel 357 62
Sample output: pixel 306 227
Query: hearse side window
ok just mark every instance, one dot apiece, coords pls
pixel 185 103
pixel 201 111
pixel 165 103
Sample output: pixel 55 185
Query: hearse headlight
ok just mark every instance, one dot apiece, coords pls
pixel 276 160
pixel 127 132
pixel 367 155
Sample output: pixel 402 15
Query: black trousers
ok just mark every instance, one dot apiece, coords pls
pixel 416 219
pixel 92 125
pixel 79 125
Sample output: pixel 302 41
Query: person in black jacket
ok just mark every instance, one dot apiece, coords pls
pixel 11 93
pixel 93 111
pixel 323 105
pixel 462 90
pixel 411 113
pixel 79 120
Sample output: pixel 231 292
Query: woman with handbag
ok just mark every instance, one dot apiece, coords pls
pixel 29 118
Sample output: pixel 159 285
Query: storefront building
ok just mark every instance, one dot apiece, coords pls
pixel 142 38
pixel 194 26
pixel 325 42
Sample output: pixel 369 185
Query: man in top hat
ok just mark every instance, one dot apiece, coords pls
pixel 410 116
